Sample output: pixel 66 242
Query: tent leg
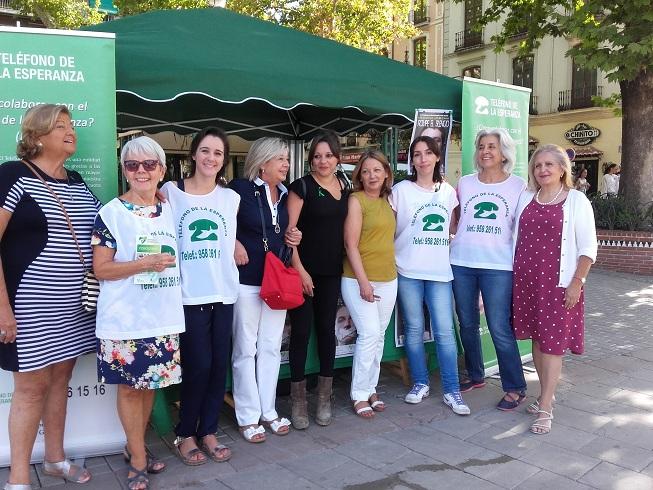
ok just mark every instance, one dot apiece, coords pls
pixel 296 159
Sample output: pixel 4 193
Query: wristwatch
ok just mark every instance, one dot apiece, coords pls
pixel 581 279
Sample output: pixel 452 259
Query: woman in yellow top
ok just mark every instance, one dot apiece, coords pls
pixel 369 283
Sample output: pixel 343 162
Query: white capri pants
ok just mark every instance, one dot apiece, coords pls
pixel 371 321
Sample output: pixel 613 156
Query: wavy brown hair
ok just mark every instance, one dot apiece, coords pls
pixel 376 155
pixel 38 121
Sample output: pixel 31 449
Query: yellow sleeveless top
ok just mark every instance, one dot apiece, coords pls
pixel 377 240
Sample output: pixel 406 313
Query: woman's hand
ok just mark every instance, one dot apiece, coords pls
pixel 367 291
pixel 572 293
pixel 307 282
pixel 240 254
pixel 7 325
pixel 293 236
pixel 157 262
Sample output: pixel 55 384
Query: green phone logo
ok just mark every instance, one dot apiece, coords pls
pixel 203 231
pixel 486 210
pixel 432 222
pixel 167 249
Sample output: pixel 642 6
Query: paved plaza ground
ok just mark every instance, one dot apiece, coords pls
pixel 602 435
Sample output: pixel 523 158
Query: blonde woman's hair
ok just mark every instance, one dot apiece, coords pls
pixel 506 145
pixel 560 157
pixel 38 121
pixel 376 155
pixel 261 151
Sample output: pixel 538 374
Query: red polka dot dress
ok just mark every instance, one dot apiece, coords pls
pixel 538 310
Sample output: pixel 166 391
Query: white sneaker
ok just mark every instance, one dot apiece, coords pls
pixel 417 393
pixel 455 401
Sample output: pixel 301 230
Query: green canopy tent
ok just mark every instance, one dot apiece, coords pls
pixel 182 70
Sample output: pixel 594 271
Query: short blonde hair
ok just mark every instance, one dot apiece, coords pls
pixel 560 157
pixel 262 150
pixel 506 145
pixel 376 155
pixel 38 121
pixel 146 146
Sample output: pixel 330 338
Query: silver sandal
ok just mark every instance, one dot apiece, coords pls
pixel 67 470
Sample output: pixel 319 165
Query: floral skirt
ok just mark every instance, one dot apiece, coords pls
pixel 148 363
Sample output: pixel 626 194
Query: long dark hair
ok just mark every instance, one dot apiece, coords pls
pixel 434 147
pixel 194 145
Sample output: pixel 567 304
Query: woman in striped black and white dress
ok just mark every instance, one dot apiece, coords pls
pixel 43 325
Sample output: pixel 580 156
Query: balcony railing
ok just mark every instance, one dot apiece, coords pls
pixel 6 5
pixel 468 39
pixel 578 98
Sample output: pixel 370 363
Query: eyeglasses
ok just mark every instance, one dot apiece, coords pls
pixel 134 165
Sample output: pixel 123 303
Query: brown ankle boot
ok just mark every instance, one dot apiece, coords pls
pixel 323 412
pixel 299 415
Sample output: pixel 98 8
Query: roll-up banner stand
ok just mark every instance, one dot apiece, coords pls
pixel 76 69
pixel 489 105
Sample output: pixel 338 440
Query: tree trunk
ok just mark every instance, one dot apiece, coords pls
pixel 636 180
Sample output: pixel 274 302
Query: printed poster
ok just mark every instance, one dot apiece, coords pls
pixel 437 124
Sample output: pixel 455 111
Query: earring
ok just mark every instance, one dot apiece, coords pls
pixel 262 171
pixel 39 144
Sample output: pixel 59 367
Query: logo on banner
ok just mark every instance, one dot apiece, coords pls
pixel 432 222
pixel 486 210
pixel 203 230
pixel 482 105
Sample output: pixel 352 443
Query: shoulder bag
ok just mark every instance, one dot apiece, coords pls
pixel 281 288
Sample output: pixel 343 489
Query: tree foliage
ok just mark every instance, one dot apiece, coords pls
pixel 615 36
pixel 366 24
pixel 133 7
pixel 62 14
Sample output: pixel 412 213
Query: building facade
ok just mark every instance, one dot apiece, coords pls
pixel 561 108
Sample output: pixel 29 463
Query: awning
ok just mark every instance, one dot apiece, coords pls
pixel 587 152
pixel 182 70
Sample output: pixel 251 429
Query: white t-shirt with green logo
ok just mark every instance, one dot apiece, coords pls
pixel 128 308
pixel 206 235
pixel 422 235
pixel 487 220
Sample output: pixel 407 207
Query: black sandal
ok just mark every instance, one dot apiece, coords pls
pixel 152 461
pixel 138 479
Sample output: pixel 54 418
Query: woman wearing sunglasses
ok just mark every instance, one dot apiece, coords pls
pixel 140 313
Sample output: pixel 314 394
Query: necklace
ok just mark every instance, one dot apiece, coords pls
pixel 537 196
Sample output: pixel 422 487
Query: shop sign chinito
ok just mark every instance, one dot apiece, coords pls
pixel 582 134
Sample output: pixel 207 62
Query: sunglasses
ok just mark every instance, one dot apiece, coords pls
pixel 133 165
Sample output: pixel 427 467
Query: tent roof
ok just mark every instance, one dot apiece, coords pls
pixel 182 70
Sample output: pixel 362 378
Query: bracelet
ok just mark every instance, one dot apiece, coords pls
pixel 581 279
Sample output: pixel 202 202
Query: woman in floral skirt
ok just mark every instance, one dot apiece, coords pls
pixel 140 313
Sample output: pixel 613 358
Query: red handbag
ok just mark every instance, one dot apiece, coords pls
pixel 281 288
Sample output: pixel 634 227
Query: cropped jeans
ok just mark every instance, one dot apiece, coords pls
pixel 495 287
pixel 438 296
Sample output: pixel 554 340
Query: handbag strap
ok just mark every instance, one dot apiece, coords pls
pixel 30 165
pixel 257 193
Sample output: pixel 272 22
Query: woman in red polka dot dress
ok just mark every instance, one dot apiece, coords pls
pixel 555 247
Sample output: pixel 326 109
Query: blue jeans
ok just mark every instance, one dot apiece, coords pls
pixel 413 293
pixel 496 288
